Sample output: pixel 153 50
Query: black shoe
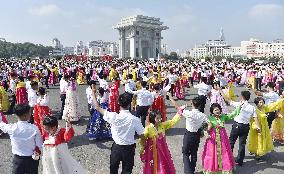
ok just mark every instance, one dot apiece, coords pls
pixel 238 162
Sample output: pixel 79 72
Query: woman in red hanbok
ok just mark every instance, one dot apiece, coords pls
pixel 159 102
pixel 21 92
pixel 41 109
pixel 179 89
pixel 113 96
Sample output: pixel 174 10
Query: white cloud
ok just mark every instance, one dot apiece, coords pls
pixel 266 10
pixel 45 10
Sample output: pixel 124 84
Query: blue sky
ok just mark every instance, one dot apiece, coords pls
pixel 190 21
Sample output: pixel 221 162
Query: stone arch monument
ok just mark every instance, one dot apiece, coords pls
pixel 140 37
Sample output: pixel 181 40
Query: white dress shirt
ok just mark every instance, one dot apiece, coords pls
pixel 32 97
pixel 194 119
pixel 172 78
pixel 270 97
pixel 28 85
pixel 203 89
pixel 103 84
pixel 247 111
pixel 89 94
pixel 24 137
pixel 13 86
pixel 123 126
pixel 130 86
pixel 144 97
pixel 63 86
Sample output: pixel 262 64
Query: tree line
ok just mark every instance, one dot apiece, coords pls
pixel 23 50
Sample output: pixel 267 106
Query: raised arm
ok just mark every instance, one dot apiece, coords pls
pixel 170 123
pixel 233 114
pixel 274 106
pixel 172 100
pixel 95 102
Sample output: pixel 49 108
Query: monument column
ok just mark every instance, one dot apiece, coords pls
pixel 140 48
pixel 122 43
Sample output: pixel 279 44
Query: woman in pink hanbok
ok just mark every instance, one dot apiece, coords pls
pixel 216 97
pixel 94 74
pixel 155 153
pixel 217 156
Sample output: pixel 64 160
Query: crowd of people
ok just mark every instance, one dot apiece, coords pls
pixel 127 100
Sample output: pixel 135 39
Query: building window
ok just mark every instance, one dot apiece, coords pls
pixel 137 32
pixel 157 34
pixel 137 52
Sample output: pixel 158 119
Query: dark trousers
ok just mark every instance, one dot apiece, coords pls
pixel 190 146
pixel 88 78
pixel 124 154
pixel 270 117
pixel 91 111
pixel 239 131
pixel 32 116
pixel 142 112
pixel 13 103
pixel 24 165
pixel 202 103
pixel 191 80
pixel 172 91
pixel 62 98
pixel 281 87
pixel 46 81
pixel 258 84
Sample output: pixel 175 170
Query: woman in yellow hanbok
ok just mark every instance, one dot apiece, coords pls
pixel 261 143
pixel 134 74
pixel 111 74
pixel 251 81
pixel 124 75
pixel 277 128
pixel 80 78
pixel 4 101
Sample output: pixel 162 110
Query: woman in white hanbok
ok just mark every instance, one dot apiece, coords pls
pixel 71 103
pixel 56 157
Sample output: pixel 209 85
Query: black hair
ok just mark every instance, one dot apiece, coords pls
pixel 41 91
pixel 215 105
pixel 257 100
pixel 124 100
pixel 34 83
pixel 143 84
pixel 217 82
pixel 152 115
pixel 21 109
pixel 50 121
pixel 21 78
pixel 245 95
pixel 196 102
pixel 92 82
pixel 130 76
pixel 157 86
pixel 204 79
pixel 101 91
pixel 270 85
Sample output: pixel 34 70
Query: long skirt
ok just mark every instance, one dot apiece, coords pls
pixel 99 128
pixel 58 160
pixel 217 154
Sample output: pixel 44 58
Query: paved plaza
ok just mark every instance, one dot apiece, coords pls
pixel 94 155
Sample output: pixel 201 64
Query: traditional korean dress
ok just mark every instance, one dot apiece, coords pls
pixel 80 78
pixel 217 156
pixel 179 89
pixel 159 104
pixel 261 143
pixel 3 118
pixel 4 101
pixel 99 128
pixel 278 127
pixel 52 77
pixel 113 97
pixel 216 97
pixel 21 93
pixel 71 104
pixel 41 110
pixel 156 155
pixel 111 74
pixel 57 158
pixel 134 74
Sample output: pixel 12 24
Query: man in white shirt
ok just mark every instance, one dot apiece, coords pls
pixel 123 128
pixel 63 88
pixel 25 141
pixel 12 88
pixel 32 97
pixel 240 127
pixel 144 100
pixel 258 79
pixel 203 90
pixel 194 122
pixel 130 85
